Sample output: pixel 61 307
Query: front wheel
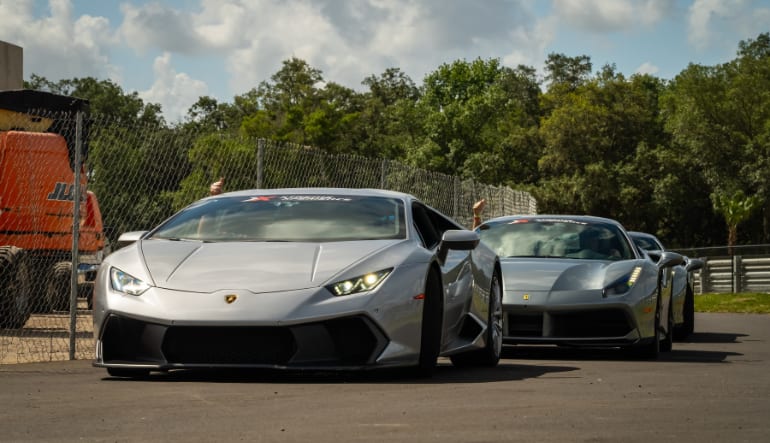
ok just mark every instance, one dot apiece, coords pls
pixel 688 325
pixel 668 340
pixel 651 350
pixel 490 354
pixel 432 318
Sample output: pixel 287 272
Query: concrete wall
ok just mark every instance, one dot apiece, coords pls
pixel 11 66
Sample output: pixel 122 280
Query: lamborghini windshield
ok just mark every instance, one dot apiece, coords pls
pixel 556 238
pixel 291 218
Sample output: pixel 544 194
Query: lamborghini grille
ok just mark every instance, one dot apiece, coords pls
pixel 350 341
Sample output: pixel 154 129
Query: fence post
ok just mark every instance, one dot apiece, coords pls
pixel 456 197
pixel 736 274
pixel 260 162
pixel 384 174
pixel 75 235
pixel 704 271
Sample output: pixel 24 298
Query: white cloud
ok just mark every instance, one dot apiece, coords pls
pixel 600 16
pixel 56 45
pixel 647 68
pixel 347 41
pixel 154 26
pixel 710 21
pixel 175 91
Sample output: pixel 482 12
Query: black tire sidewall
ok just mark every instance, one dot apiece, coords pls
pixel 15 304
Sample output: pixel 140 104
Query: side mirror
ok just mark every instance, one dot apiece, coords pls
pixel 668 259
pixel 693 264
pixel 127 238
pixel 655 255
pixel 457 239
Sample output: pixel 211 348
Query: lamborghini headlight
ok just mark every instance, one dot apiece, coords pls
pixel 127 283
pixel 623 284
pixel 361 283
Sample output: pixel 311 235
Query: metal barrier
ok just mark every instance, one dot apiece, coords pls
pixel 733 274
pixel 143 174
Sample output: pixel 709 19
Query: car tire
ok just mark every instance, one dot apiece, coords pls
pixel 15 303
pixel 432 317
pixel 490 355
pixel 57 291
pixel 668 341
pixel 687 327
pixel 650 350
pixel 128 372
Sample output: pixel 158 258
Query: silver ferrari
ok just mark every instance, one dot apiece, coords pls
pixel 312 278
pixel 579 281
pixel 678 281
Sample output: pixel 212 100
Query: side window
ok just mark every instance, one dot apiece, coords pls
pixel 441 223
pixel 424 225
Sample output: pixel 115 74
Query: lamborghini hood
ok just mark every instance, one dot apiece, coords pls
pixel 254 266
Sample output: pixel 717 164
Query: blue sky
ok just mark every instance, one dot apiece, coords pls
pixel 172 52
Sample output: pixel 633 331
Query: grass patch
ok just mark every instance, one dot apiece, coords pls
pixel 744 302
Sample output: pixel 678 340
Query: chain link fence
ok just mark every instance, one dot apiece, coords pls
pixel 134 177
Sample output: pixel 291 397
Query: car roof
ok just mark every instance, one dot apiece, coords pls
pixel 578 218
pixel 641 234
pixel 356 192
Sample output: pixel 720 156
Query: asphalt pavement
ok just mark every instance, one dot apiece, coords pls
pixel 714 387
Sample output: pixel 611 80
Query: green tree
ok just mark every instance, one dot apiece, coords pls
pixel 476 119
pixel 735 208
pixel 106 99
pixel 389 123
pixel 591 142
pixel 298 106
pixel 720 116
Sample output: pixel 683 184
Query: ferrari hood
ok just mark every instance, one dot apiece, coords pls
pixel 549 274
pixel 254 266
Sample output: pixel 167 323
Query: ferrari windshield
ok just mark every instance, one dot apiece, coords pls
pixel 556 238
pixel 291 218
pixel 647 243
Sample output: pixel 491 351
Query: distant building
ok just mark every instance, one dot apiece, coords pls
pixel 11 66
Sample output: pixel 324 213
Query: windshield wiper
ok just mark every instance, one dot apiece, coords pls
pixel 180 239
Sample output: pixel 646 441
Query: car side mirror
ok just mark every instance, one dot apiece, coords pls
pixel 128 238
pixel 693 264
pixel 457 239
pixel 668 259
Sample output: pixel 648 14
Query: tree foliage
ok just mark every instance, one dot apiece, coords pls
pixel 679 158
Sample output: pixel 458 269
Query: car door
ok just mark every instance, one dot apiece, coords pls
pixel 456 268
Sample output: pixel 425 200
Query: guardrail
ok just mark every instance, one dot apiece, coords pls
pixel 733 274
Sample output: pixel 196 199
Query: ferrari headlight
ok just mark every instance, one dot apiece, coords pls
pixel 623 284
pixel 362 283
pixel 127 283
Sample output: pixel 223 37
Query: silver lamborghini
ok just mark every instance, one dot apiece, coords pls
pixel 579 281
pixel 313 278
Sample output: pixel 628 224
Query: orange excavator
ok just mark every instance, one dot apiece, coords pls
pixel 37 204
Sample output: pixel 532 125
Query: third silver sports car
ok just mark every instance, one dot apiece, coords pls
pixel 579 281
pixel 299 278
pixel 678 281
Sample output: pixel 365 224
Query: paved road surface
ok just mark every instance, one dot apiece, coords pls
pixel 713 388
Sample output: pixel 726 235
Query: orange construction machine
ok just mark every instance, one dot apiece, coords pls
pixel 37 201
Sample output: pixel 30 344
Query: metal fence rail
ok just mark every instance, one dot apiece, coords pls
pixel 734 274
pixel 141 175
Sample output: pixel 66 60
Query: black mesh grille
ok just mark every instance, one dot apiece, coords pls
pixel 228 345
pixel 599 323
pixel 525 325
pixel 350 341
